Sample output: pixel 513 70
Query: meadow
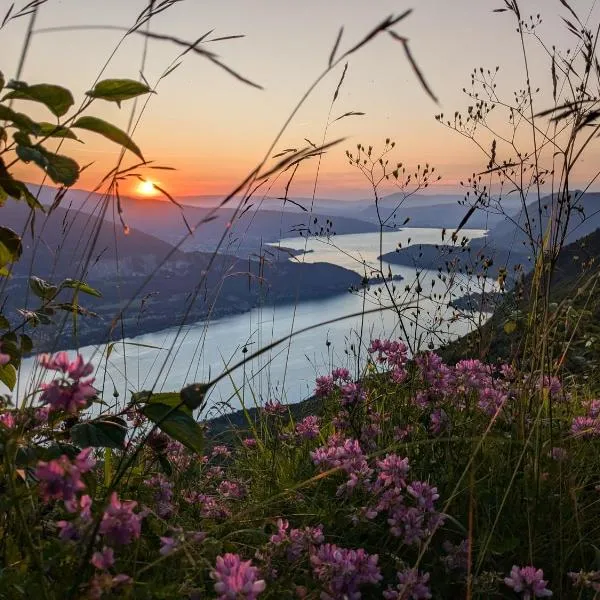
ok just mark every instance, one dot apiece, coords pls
pixel 416 469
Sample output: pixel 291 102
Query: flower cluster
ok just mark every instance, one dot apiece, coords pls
pixel 163 495
pixel 392 354
pixel 412 585
pixel 344 571
pixel 308 428
pixel 528 582
pixel 236 579
pixel 296 541
pixel 588 426
pixel 346 456
pixel 60 479
pixel 590 580
pixel 120 525
pixel 71 392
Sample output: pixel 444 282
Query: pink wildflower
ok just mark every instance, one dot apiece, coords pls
pixel 308 428
pixel 528 582
pixel 325 386
pixel 590 580
pixel 274 408
pixel 71 392
pixel 103 560
pixel 236 579
pixel 412 585
pixel 60 479
pixel 344 571
pixel 120 525
pixel 7 419
pixel 4 359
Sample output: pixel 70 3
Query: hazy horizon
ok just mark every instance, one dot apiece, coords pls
pixel 214 129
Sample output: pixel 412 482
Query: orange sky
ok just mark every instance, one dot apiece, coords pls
pixel 213 129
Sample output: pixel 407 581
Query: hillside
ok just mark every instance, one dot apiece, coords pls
pixel 574 302
pixel 506 243
pixel 124 266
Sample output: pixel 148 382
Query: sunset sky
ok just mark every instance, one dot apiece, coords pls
pixel 213 129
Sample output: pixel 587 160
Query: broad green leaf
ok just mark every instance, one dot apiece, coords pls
pixel 8 376
pixel 26 343
pixel 19 120
pixel 171 399
pixel 510 327
pixel 4 322
pixel 42 289
pixel 194 395
pixel 10 246
pixel 109 131
pixel 107 432
pixel 56 98
pixel 28 153
pixel 25 194
pixel 58 131
pixel 177 424
pixel 22 138
pixel 61 169
pixel 117 90
pixel 80 286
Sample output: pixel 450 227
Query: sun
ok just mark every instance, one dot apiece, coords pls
pixel 146 188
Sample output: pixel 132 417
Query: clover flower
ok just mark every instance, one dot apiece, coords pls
pixel 308 428
pixel 120 525
pixel 412 585
pixel 528 582
pixel 236 579
pixel 344 571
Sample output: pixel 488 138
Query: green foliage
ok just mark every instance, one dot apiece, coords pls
pixel 57 99
pixel 10 248
pixel 177 424
pixel 118 90
pixel 110 132
pixel 106 432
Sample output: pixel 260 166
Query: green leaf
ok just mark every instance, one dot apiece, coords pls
pixel 510 327
pixel 165 465
pixel 42 289
pixel 56 98
pixel 26 343
pixel 109 131
pixel 107 432
pixel 19 120
pixel 25 194
pixel 117 90
pixel 61 169
pixel 80 286
pixel 8 376
pixel 11 247
pixel 171 399
pixel 177 424
pixel 194 395
pixel 58 131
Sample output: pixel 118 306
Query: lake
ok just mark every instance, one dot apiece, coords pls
pixel 163 361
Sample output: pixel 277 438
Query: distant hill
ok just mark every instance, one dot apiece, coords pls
pixel 125 266
pixel 246 234
pixel 573 302
pixel 506 244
